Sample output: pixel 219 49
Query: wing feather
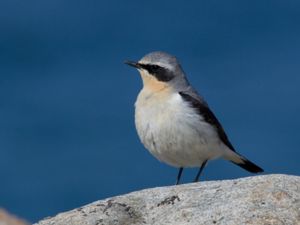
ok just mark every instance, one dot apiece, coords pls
pixel 209 117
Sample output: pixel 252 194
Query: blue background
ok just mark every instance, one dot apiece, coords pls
pixel 67 134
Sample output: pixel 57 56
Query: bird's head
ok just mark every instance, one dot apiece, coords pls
pixel 158 70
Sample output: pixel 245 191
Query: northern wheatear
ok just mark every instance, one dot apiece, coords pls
pixel 175 123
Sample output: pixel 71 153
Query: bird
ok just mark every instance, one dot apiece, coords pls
pixel 175 123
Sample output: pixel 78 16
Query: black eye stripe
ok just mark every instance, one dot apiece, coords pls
pixel 152 68
pixel 161 73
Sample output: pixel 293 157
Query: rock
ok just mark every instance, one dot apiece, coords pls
pixel 268 199
pixel 8 219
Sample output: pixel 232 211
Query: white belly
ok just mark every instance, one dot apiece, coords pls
pixel 173 132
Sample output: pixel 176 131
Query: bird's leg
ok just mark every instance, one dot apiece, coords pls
pixel 200 171
pixel 179 175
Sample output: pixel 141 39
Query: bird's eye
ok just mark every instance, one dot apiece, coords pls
pixel 155 67
pixel 161 73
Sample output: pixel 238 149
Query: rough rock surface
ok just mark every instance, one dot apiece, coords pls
pixel 268 199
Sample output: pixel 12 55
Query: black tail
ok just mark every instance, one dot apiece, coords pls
pixel 248 165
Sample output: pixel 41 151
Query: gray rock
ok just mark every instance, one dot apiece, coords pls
pixel 269 199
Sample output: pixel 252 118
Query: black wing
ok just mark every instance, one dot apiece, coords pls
pixel 208 116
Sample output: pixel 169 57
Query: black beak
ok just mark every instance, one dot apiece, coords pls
pixel 133 64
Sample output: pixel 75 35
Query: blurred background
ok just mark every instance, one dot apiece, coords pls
pixel 67 135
